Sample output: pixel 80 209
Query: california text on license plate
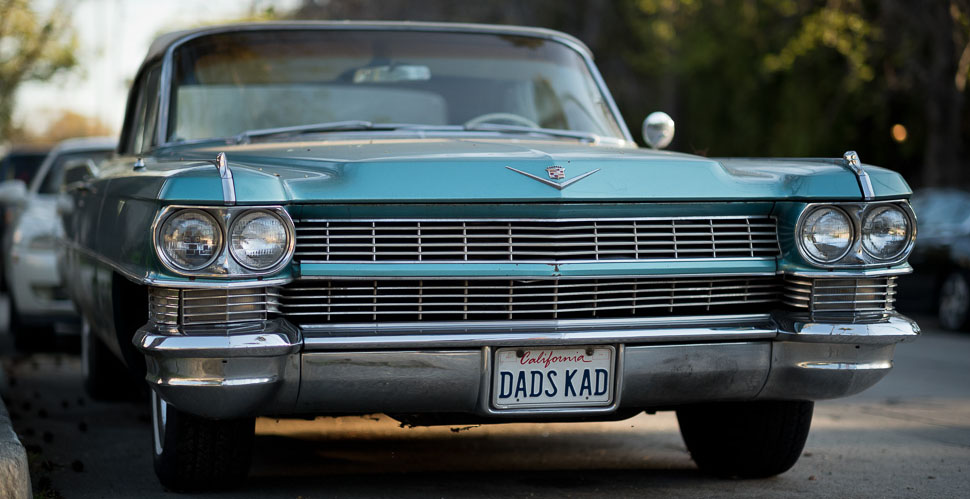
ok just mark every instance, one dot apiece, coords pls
pixel 553 377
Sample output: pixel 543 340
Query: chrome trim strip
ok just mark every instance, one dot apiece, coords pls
pixel 378 263
pixel 225 174
pixel 263 344
pixel 843 274
pixel 528 219
pixel 528 338
pixel 558 325
pixel 699 275
pixel 851 161
pixel 557 185
pixel 148 279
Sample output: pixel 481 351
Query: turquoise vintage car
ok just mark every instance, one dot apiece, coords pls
pixel 451 224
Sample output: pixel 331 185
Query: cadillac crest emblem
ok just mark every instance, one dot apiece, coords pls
pixel 556 172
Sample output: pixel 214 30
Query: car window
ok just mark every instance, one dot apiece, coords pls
pixel 52 181
pixel 21 166
pixel 228 83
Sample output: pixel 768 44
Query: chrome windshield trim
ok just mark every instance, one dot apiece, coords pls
pixel 168 53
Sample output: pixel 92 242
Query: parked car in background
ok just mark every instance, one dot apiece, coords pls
pixel 20 163
pixel 451 224
pixel 38 298
pixel 941 284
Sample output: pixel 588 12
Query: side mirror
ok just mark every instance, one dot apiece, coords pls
pixel 13 192
pixel 78 172
pixel 658 130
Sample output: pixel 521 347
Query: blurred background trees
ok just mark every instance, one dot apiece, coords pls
pixel 887 78
pixel 32 48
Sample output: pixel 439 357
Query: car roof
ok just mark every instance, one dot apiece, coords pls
pixel 164 42
pixel 84 143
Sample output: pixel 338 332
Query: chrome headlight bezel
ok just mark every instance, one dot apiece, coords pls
pixel 874 211
pixel 224 265
pixel 169 260
pixel 857 256
pixel 806 253
pixel 286 247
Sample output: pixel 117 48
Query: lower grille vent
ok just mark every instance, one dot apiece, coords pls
pixel 841 296
pixel 212 306
pixel 445 299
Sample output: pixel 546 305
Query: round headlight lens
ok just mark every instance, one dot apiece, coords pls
pixel 258 240
pixel 826 234
pixel 190 239
pixel 885 232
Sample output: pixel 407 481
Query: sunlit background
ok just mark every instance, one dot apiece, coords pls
pixel 740 77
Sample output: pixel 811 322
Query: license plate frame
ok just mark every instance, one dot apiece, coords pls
pixel 558 359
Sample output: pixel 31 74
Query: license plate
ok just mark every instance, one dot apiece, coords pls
pixel 552 377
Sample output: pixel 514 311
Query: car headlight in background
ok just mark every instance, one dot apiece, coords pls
pixel 190 239
pixel 885 232
pixel 826 234
pixel 258 239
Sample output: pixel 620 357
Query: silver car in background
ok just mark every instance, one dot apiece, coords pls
pixel 38 300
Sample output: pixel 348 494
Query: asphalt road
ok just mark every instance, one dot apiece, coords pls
pixel 907 437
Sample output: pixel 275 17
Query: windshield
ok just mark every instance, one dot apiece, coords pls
pixel 226 84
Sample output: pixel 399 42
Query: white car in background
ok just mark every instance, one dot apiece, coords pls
pixel 38 300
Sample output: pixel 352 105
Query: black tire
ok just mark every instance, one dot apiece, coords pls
pixel 105 377
pixel 746 439
pixel 954 305
pixel 195 454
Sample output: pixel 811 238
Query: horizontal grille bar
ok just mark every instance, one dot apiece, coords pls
pixel 536 240
pixel 841 296
pixel 211 306
pixel 437 300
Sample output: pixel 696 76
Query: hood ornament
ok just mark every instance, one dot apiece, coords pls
pixel 555 172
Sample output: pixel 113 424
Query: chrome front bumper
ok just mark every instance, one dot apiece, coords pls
pixel 272 368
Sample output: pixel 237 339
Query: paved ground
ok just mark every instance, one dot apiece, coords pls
pixel 907 437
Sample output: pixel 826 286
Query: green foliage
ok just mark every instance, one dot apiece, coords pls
pixel 31 49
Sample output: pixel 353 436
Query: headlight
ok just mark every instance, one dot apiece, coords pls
pixel 885 232
pixel 258 240
pixel 826 234
pixel 190 239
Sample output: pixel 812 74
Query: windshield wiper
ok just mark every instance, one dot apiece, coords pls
pixel 493 127
pixel 338 126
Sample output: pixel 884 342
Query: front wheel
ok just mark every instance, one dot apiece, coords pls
pixel 194 453
pixel 746 439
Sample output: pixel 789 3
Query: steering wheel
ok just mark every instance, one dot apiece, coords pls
pixel 515 118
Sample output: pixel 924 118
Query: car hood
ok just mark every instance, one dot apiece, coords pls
pixel 367 169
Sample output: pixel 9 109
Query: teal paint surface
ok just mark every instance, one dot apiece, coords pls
pixel 520 270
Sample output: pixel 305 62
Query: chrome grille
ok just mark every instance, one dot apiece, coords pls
pixel 163 306
pixel 209 306
pixel 841 296
pixel 536 240
pixel 451 299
